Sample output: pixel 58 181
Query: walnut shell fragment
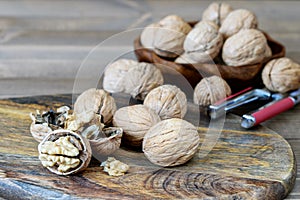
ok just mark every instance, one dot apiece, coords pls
pixel 64 152
pixel 103 141
pixel 135 121
pixel 137 79
pixel 203 43
pixel 238 20
pixel 168 101
pixel 171 142
pixel 216 12
pixel 47 121
pixel 94 102
pixel 210 90
pixel 166 37
pixel 281 75
pixel 245 48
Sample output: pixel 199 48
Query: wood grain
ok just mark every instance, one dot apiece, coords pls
pixel 257 164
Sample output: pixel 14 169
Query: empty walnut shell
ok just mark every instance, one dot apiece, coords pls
pixel 135 121
pixel 94 102
pixel 64 152
pixel 216 12
pixel 281 75
pixel 43 124
pixel 203 43
pixel 171 142
pixel 210 90
pixel 103 142
pixel 246 47
pixel 238 20
pixel 167 36
pixel 168 101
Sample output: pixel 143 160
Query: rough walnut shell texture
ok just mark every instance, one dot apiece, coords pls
pixel 245 48
pixel 238 20
pixel 168 101
pixel 281 75
pixel 167 36
pixel 135 121
pixel 92 102
pixel 210 90
pixel 115 75
pixel 216 12
pixel 137 79
pixel 74 148
pixel 171 142
pixel 203 43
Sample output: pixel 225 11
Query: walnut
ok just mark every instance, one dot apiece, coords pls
pixel 167 36
pixel 171 142
pixel 245 48
pixel 203 43
pixel 238 20
pixel 64 152
pixel 114 167
pixel 281 75
pixel 103 141
pixel 48 121
pixel 115 75
pixel 210 90
pixel 135 121
pixel 216 12
pixel 94 102
pixel 136 79
pixel 168 101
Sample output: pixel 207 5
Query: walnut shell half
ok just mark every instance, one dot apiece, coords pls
pixel 281 75
pixel 171 142
pixel 64 152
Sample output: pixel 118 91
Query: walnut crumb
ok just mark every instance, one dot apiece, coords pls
pixel 114 167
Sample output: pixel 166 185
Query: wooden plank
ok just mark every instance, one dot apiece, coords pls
pixel 243 164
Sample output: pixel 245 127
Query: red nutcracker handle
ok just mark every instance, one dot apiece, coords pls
pixel 268 112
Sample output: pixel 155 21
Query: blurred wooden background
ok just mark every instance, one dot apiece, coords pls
pixel 43 43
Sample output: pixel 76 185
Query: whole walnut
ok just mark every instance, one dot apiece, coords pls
pixel 137 79
pixel 210 90
pixel 94 102
pixel 203 43
pixel 246 47
pixel 238 20
pixel 168 101
pixel 115 75
pixel 281 75
pixel 216 12
pixel 135 121
pixel 171 142
pixel 166 37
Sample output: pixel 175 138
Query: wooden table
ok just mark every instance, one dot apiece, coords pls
pixel 42 44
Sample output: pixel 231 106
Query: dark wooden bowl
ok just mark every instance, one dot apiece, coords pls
pixel 238 77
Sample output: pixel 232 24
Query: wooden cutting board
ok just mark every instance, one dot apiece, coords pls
pixel 256 164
